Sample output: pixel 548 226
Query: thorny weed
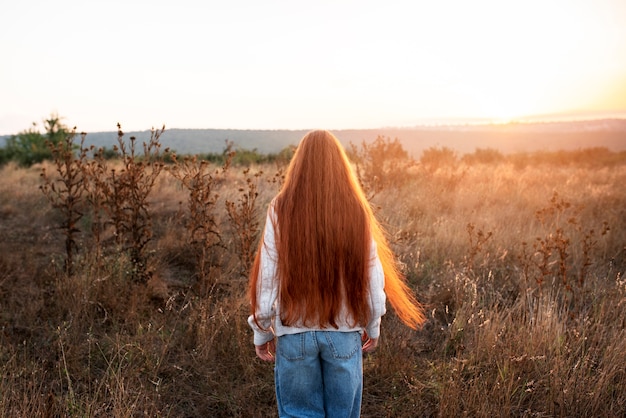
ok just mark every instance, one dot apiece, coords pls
pixel 477 241
pixel 243 214
pixel 201 180
pixel 119 198
pixel 551 261
pixel 243 217
pixel 66 192
pixel 126 193
pixel 97 188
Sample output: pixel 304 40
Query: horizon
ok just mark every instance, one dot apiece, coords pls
pixel 336 65
pixel 431 124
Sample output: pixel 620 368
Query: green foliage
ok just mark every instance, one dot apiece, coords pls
pixel 5 157
pixel 108 153
pixel 285 155
pixel 30 146
pixel 238 156
pixel 248 157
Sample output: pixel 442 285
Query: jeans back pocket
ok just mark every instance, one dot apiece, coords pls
pixel 343 345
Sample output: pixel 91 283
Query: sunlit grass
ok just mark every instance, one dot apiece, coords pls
pixel 496 251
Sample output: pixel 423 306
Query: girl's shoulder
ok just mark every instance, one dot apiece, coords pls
pixel 271 209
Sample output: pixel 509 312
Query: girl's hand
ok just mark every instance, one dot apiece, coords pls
pixel 370 344
pixel 266 351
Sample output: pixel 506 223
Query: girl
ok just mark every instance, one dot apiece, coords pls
pixel 319 283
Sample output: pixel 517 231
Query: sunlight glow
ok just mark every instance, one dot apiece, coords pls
pixel 294 65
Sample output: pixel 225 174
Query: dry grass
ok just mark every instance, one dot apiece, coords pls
pixel 495 251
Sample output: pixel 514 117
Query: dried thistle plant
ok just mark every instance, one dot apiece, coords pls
pixel 562 255
pixel 200 179
pixel 66 191
pixel 243 216
pixel 124 195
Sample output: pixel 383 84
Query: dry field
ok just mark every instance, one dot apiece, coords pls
pixel 519 261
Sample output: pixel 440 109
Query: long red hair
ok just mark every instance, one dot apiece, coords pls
pixel 324 228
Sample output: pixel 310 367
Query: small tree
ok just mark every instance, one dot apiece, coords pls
pixel 30 146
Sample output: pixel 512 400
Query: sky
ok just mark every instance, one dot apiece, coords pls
pixel 291 64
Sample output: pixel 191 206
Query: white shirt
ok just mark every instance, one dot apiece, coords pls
pixel 268 306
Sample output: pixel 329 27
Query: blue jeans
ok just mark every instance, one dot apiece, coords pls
pixel 319 374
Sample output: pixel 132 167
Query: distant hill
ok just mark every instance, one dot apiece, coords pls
pixel 507 138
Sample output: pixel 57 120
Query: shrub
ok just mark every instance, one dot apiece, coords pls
pixel 381 164
pixel 30 146
pixel 484 156
pixel 434 158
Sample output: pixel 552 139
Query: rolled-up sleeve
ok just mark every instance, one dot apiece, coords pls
pixel 377 293
pixel 267 285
